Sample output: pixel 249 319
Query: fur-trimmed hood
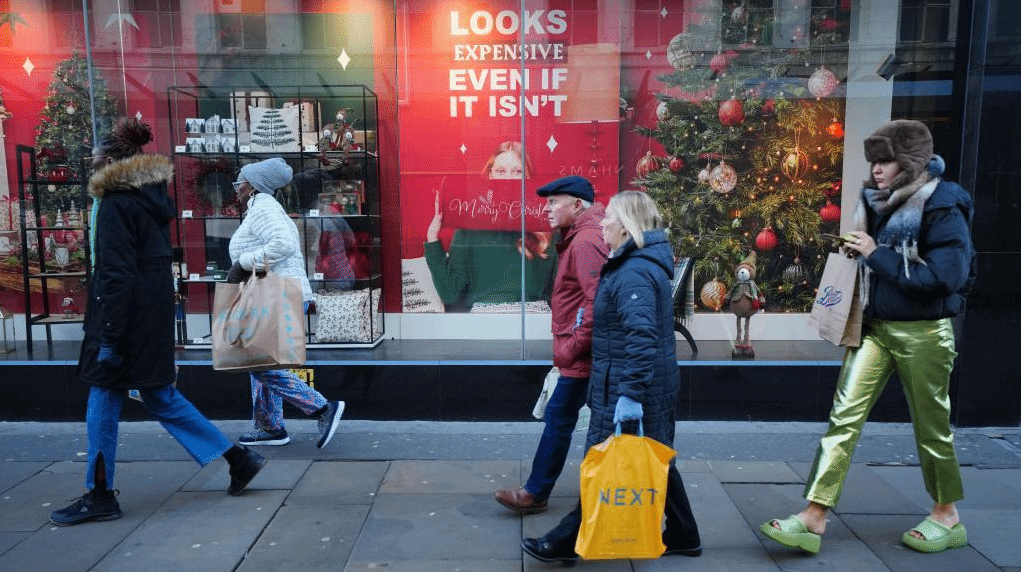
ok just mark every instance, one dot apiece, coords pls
pixel 142 176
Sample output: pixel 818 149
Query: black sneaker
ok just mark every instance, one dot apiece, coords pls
pixel 88 507
pixel 328 422
pixel 244 465
pixel 260 437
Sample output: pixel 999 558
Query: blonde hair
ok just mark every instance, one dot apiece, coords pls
pixel 637 213
pixel 514 147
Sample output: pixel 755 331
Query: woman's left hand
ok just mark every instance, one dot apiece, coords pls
pixel 862 243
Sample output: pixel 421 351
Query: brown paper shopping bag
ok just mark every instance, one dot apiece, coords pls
pixel 258 324
pixel 623 493
pixel 837 311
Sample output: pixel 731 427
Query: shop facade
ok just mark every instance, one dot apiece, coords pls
pixel 418 131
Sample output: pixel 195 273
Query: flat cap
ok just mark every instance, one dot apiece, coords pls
pixel 571 185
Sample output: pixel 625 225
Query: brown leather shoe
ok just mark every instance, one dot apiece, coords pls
pixel 520 500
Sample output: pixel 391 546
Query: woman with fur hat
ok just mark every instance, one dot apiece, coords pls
pixel 129 323
pixel 268 237
pixel 917 265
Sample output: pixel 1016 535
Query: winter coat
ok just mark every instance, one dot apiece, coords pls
pixel 582 254
pixel 268 236
pixel 938 287
pixel 131 293
pixel 633 342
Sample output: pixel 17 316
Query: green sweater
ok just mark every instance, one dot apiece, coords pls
pixel 485 266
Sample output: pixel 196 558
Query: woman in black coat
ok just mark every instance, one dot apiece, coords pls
pixel 129 322
pixel 634 364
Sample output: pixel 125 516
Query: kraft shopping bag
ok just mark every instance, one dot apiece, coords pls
pixel 623 493
pixel 258 324
pixel 837 310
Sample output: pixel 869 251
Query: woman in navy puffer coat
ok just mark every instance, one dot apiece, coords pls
pixel 634 365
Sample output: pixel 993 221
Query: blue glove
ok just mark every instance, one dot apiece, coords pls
pixel 108 357
pixel 627 410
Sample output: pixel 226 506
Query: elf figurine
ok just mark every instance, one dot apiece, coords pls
pixel 744 300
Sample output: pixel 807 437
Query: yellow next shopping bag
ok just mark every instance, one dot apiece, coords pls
pixel 623 493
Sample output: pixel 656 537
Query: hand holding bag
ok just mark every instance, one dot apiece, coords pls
pixel 623 494
pixel 258 324
pixel 837 310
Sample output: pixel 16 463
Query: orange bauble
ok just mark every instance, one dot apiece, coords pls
pixel 713 293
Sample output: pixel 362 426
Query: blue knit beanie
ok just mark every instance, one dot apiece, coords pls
pixel 266 176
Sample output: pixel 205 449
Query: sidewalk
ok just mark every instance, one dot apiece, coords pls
pixel 417 497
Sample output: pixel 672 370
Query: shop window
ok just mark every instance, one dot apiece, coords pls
pixel 324 31
pixel 158 21
pixel 926 21
pixel 67 19
pixel 244 31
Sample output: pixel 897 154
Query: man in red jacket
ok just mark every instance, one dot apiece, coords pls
pixel 571 209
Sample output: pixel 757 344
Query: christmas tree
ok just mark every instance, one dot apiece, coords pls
pixel 64 134
pixel 754 141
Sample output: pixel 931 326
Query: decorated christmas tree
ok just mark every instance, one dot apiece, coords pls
pixel 64 134
pixel 753 136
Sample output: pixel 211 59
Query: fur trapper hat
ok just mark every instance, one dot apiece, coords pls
pixel 907 142
pixel 749 263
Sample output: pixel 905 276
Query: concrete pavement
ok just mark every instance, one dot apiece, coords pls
pixel 417 497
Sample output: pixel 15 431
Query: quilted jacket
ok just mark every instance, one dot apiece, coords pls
pixel 267 233
pixel 633 342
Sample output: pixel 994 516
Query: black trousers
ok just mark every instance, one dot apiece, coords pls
pixel 681 529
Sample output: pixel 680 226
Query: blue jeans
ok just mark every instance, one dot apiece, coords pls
pixel 203 441
pixel 561 416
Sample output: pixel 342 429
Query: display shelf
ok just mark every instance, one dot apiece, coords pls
pixel 327 134
pixel 43 245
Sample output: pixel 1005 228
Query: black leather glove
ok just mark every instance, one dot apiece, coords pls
pixel 237 274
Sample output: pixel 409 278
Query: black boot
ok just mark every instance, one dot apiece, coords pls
pixel 557 545
pixel 93 505
pixel 244 465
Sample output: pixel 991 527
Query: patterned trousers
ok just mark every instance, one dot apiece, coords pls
pixel 270 388
pixel 922 353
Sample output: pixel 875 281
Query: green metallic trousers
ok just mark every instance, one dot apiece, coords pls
pixel 922 353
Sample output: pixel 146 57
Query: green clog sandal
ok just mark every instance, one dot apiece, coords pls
pixel 792 534
pixel 937 536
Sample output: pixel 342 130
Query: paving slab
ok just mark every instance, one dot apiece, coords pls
pixel 306 538
pixel 881 533
pixel 278 474
pixel 195 531
pixel 720 524
pixel 9 540
pixel 866 492
pixel 436 566
pixel 14 472
pixel 995 533
pixel 436 526
pixel 748 559
pixel 450 476
pixel 333 484
pixel 754 472
pixel 147 486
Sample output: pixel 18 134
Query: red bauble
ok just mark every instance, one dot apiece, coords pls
pixel 766 240
pixel 646 165
pixel 731 112
pixel 676 164
pixel 718 63
pixel 830 212
pixel 835 129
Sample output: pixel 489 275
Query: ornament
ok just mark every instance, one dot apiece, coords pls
pixel 795 164
pixel 70 109
pixel 723 178
pixel 738 14
pixel 646 165
pixel 731 112
pixel 834 189
pixel 795 272
pixel 835 129
pixel 766 240
pixel 676 164
pixel 822 82
pixel 678 55
pixel 718 63
pixel 769 106
pixel 712 294
pixel 662 111
pixel 703 175
pixel 830 212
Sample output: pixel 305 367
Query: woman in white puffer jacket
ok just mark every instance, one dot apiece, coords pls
pixel 267 236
